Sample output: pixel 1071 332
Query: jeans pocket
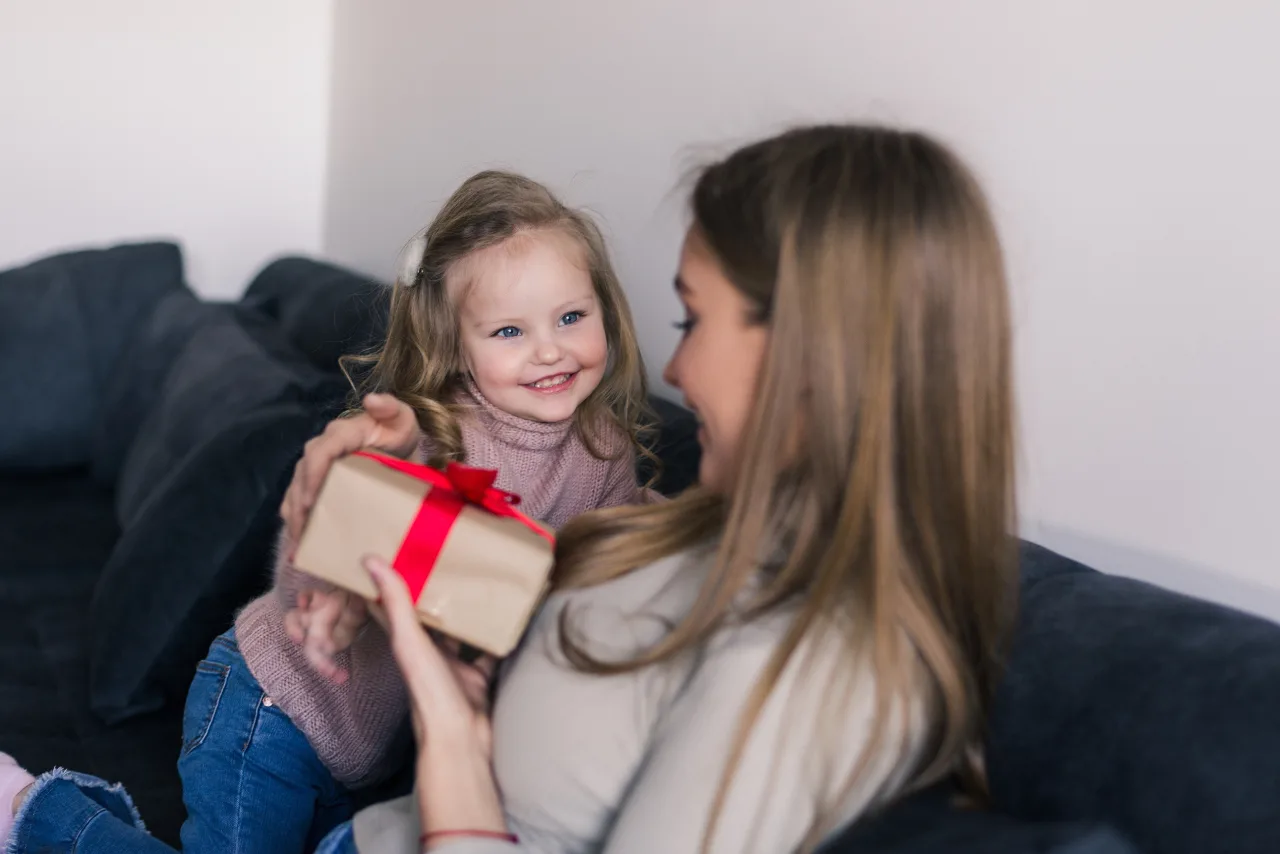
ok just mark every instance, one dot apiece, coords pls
pixel 202 703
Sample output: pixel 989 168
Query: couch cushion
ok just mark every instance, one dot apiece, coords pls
pixel 325 311
pixel 63 322
pixel 929 822
pixel 44 711
pixel 222 373
pixel 197 499
pixel 139 375
pixel 46 581
pixel 195 552
pixel 1131 705
pixel 675 443
pixel 36 513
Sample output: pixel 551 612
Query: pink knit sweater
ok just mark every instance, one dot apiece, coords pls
pixel 352 726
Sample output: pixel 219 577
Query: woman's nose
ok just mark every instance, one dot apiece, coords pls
pixel 669 374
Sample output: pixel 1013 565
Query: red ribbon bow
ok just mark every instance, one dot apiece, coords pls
pixel 476 485
pixel 451 490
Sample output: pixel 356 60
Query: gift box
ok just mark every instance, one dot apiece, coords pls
pixel 475 565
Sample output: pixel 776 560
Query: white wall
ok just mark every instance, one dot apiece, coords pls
pixel 133 119
pixel 1131 147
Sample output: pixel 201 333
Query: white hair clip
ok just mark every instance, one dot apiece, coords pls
pixel 409 262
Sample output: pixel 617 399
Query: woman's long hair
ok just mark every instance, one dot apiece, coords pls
pixel 872 256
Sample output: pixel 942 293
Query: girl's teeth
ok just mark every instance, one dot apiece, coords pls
pixel 551 381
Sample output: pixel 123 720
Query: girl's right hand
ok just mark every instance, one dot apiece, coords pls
pixel 325 624
pixel 386 424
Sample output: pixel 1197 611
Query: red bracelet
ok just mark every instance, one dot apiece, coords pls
pixel 433 835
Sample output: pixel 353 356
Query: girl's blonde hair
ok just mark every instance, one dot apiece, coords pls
pixel 872 256
pixel 420 361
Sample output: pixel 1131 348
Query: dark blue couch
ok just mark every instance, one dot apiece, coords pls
pixel 149 438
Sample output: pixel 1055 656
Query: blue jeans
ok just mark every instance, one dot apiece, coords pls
pixel 251 782
pixel 341 840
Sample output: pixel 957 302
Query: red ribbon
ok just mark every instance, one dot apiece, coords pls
pixel 451 490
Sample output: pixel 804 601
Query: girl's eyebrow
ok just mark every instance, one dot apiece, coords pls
pixel 680 286
pixel 579 301
pixel 500 323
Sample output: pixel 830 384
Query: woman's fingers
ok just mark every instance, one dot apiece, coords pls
pixel 386 423
pixel 397 426
pixel 379 615
pixel 341 437
pixel 382 407
pixel 397 607
pixel 442 673
pixel 475 677
pixel 425 670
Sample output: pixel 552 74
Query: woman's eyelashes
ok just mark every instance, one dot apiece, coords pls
pixel 686 325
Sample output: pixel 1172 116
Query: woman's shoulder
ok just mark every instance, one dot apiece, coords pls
pixel 640 606
pixel 626 613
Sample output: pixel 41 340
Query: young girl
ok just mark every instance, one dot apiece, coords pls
pixel 510 346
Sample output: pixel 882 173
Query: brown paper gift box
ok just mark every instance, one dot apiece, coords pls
pixel 490 573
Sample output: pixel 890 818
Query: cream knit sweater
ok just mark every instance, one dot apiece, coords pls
pixel 632 763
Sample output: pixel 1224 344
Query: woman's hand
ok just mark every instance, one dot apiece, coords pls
pixel 387 424
pixel 449 698
pixel 326 624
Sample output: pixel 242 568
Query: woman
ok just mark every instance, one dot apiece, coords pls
pixel 818 625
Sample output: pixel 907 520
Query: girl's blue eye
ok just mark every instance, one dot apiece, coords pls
pixel 507 332
pixel 570 318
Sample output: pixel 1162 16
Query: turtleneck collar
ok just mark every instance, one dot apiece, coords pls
pixel 512 430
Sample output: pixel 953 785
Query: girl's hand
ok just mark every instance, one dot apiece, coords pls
pixel 449 698
pixel 386 424
pixel 325 624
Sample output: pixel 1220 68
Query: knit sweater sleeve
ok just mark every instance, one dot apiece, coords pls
pixel 352 725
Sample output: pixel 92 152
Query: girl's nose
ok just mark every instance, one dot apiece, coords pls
pixel 548 352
